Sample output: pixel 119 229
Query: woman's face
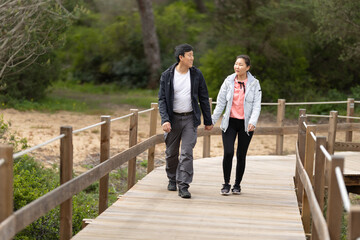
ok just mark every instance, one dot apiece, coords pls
pixel 240 67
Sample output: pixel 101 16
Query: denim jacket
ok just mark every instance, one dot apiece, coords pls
pixel 252 101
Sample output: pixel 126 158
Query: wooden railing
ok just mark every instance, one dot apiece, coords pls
pixel 316 152
pixel 12 223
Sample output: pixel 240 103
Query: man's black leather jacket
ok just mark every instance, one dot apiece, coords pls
pixel 198 92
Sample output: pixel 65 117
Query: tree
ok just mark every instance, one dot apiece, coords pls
pixel 339 20
pixel 150 41
pixel 200 6
pixel 28 30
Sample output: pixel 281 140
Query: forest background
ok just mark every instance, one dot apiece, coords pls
pixel 302 50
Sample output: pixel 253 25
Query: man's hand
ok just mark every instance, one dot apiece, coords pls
pixel 209 127
pixel 251 128
pixel 166 127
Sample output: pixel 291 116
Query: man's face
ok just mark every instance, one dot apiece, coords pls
pixel 187 59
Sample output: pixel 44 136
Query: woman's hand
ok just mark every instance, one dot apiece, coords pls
pixel 251 128
pixel 209 127
pixel 166 127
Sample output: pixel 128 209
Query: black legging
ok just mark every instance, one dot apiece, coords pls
pixel 236 127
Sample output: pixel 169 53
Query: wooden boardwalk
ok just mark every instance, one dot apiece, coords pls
pixel 266 209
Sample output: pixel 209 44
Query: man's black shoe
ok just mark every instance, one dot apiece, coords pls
pixel 184 193
pixel 172 186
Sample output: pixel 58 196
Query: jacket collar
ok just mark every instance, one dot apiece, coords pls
pixel 172 68
pixel 250 78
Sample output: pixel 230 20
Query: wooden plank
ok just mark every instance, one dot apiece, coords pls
pixel 266 208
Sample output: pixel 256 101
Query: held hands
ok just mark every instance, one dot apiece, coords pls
pixel 209 127
pixel 251 127
pixel 166 127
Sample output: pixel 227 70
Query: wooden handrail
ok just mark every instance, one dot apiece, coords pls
pixel 318 219
pixel 325 167
pixel 29 213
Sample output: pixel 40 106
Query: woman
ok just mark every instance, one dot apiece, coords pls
pixel 240 96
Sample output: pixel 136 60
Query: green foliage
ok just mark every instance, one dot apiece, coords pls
pixel 298 48
pixel 31 83
pixel 105 52
pixel 31 181
pixel 338 20
pixel 218 63
pixel 27 62
pixel 177 23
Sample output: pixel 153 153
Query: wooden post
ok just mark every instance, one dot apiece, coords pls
pixel 6 181
pixel 206 143
pixel 104 155
pixel 332 131
pixel 350 113
pixel 301 142
pixel 334 207
pixel 354 223
pixel 66 170
pixel 302 112
pixel 280 123
pixel 153 123
pixel 308 165
pixel 319 180
pixel 133 129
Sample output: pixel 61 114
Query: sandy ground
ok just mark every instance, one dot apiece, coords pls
pixel 38 127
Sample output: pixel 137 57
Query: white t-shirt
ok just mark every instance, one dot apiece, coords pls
pixel 182 92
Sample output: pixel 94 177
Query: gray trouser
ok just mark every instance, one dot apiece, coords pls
pixel 180 169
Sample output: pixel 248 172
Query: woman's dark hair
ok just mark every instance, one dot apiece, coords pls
pixel 181 50
pixel 246 59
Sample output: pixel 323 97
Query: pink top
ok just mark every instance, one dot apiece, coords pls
pixel 237 107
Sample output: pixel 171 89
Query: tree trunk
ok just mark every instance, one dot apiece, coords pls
pixel 150 41
pixel 200 6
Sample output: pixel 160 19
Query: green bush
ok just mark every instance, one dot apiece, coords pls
pixel 179 22
pixel 105 51
pixel 217 64
pixel 31 83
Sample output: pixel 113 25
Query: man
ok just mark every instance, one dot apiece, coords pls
pixel 181 85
